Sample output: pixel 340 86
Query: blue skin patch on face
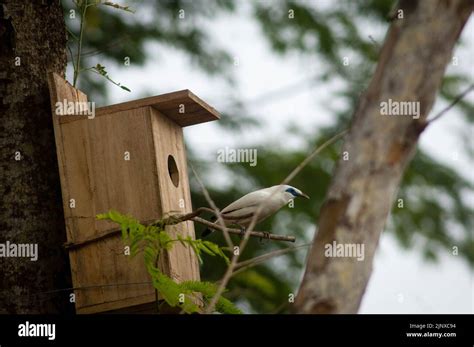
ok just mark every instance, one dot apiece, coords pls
pixel 292 192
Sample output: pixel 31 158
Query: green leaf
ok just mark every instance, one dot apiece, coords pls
pixel 205 249
pixel 152 240
pixel 212 246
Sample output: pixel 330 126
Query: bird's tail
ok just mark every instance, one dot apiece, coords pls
pixel 208 231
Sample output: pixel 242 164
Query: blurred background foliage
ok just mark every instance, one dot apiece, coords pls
pixel 436 215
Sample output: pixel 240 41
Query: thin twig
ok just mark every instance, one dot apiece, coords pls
pixel 375 43
pixel 176 219
pixel 451 105
pixel 94 238
pixel 72 57
pixel 245 265
pixel 243 243
pixel 79 45
pixel 310 157
pixel 259 234
pixel 72 34
pixel 116 43
pixel 217 212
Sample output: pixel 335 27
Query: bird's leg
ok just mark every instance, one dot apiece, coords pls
pixel 242 231
pixel 266 236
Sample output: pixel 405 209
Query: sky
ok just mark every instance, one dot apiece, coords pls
pixel 401 282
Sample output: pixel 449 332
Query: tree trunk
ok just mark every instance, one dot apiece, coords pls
pixel 32 42
pixel 411 67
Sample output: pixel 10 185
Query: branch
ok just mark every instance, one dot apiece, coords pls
pixel 243 243
pixel 216 212
pixel 451 105
pixel 259 234
pixel 176 219
pixel 244 265
pixel 311 156
pixel 97 237
pixel 362 190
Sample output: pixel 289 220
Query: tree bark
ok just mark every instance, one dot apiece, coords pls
pixel 32 42
pixel 411 66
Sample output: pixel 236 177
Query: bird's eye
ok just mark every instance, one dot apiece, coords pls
pixel 292 191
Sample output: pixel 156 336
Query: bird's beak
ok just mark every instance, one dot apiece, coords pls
pixel 304 195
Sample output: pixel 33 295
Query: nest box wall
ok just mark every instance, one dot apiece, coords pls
pixel 131 158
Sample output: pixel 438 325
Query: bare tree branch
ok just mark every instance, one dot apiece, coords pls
pixel 259 234
pixel 176 219
pixel 245 265
pixel 230 269
pixel 410 69
pixel 451 105
pixel 217 212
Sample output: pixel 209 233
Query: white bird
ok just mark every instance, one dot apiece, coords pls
pixel 241 211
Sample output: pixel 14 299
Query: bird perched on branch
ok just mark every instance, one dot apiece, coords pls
pixel 241 211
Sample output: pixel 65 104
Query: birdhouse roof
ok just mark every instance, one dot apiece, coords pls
pixel 183 107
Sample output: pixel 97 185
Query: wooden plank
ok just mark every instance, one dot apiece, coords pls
pixel 61 90
pixel 195 109
pixel 77 174
pixel 180 263
pixel 72 152
pixel 128 186
pixel 149 308
pixel 93 172
pixel 123 305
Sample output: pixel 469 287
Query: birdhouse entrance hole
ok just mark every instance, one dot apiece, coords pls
pixel 173 170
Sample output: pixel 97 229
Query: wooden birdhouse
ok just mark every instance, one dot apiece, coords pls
pixel 128 157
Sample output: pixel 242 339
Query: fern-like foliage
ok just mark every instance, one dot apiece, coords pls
pixel 208 290
pixel 152 240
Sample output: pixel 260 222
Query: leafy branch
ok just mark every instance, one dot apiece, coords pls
pixel 152 241
pixel 100 70
pixel 82 7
